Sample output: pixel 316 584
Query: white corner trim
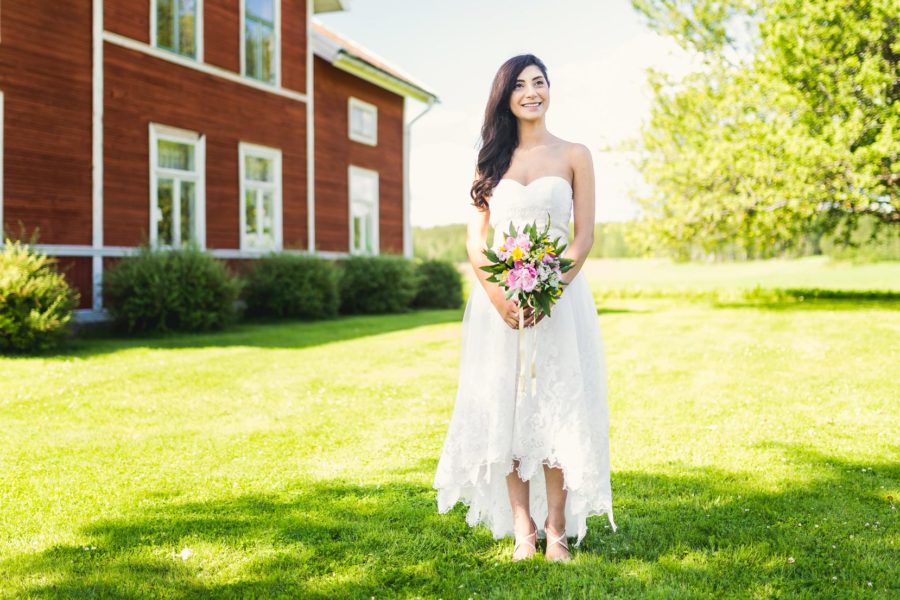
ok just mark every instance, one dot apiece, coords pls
pixel 130 44
pixel 243 42
pixel 354 102
pixel 310 136
pixel 198 25
pixel 97 152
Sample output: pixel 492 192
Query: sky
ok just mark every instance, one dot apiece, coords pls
pixel 596 53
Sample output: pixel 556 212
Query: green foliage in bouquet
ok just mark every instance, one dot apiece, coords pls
pixel 529 265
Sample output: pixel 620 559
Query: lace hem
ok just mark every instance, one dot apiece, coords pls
pixel 473 490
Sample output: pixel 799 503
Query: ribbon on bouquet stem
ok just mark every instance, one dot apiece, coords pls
pixel 527 375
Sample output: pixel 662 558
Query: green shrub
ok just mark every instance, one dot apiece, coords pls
pixel 376 284
pixel 291 285
pixel 439 285
pixel 170 290
pixel 36 302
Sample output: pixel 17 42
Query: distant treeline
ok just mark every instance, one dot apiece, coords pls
pixel 448 242
pixel 862 242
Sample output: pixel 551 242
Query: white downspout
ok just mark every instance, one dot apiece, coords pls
pixel 407 228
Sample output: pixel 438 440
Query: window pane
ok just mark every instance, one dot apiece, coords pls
pixel 267 45
pixel 188 211
pixel 368 125
pixel 186 22
pixel 357 232
pixel 258 169
pixel 367 224
pixel 251 48
pixel 261 9
pixel 175 155
pixel 164 189
pixel 250 214
pixel 165 24
pixel 268 223
pixel 356 119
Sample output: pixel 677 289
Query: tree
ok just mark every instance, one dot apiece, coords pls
pixel 790 128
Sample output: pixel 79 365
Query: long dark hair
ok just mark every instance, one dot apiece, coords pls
pixel 500 130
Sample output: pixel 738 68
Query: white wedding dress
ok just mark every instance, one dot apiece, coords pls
pixel 564 423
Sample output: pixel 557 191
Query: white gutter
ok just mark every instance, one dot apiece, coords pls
pixel 407 229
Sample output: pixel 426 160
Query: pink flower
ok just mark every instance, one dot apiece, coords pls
pixel 512 279
pixel 522 277
pixel 523 242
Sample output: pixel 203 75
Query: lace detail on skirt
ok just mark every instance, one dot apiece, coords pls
pixel 565 424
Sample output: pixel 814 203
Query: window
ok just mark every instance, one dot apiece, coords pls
pixel 260 173
pixel 363 119
pixel 260 46
pixel 363 210
pixel 177 200
pixel 177 26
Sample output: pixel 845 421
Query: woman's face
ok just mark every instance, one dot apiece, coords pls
pixel 531 95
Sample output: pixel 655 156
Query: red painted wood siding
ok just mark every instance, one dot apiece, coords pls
pixel 46 87
pixel 335 151
pixel 222 33
pixel 140 89
pixel 78 271
pixel 130 18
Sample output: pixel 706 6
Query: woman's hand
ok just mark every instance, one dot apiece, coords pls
pixel 509 310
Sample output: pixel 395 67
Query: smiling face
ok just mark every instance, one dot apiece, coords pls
pixel 531 95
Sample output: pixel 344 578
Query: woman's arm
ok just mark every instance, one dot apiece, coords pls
pixel 583 201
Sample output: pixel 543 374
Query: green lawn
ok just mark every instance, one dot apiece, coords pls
pixel 754 454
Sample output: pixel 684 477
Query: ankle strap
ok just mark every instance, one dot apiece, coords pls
pixel 561 540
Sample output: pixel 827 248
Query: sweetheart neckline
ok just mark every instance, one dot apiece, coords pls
pixel 525 185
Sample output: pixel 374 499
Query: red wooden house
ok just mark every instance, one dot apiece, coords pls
pixel 243 125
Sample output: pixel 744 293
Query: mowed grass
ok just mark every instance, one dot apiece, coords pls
pixel 754 453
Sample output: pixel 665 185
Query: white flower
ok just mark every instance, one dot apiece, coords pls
pixel 185 553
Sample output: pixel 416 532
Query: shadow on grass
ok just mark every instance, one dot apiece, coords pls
pixel 754 298
pixel 813 304
pixel 706 532
pixel 272 334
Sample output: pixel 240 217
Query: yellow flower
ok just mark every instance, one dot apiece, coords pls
pixel 502 248
pixel 517 253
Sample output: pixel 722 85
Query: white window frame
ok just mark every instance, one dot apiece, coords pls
pixel 359 136
pixel 165 132
pixel 352 172
pixel 274 154
pixel 198 22
pixel 277 66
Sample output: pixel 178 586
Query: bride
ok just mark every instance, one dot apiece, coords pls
pixel 550 448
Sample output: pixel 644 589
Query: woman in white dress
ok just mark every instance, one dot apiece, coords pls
pixel 511 451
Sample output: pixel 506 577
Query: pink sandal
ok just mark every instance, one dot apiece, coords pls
pixel 554 539
pixel 524 541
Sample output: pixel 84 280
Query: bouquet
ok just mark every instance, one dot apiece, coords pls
pixel 528 265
